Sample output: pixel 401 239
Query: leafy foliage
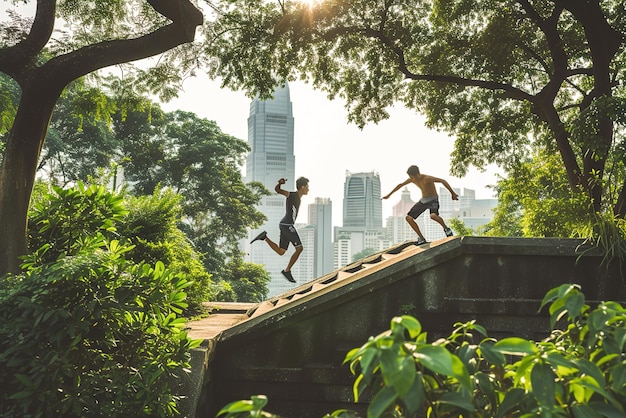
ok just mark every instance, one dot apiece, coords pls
pixel 151 225
pixel 536 201
pixel 62 219
pixel 460 228
pixel 576 372
pixel 499 75
pixel 131 138
pixel 608 234
pixel 86 331
pixel 248 281
pixel 92 334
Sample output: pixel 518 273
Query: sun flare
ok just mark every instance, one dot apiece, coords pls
pixel 309 3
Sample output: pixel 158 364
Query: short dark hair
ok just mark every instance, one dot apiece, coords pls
pixel 413 170
pixel 302 181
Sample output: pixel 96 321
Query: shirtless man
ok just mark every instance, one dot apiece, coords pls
pixel 429 200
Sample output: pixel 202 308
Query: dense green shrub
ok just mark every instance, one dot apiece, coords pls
pixel 151 225
pixel 60 219
pixel 580 371
pixel 85 330
pixel 92 335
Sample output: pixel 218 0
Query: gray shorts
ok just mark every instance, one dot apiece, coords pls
pixel 288 234
pixel 431 203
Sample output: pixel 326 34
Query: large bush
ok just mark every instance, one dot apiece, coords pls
pixel 92 335
pixel 152 225
pixel 85 330
pixel 62 218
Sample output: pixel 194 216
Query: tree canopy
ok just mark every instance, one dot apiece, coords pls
pixel 88 36
pixel 499 75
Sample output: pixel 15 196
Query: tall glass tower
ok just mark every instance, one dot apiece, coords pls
pixel 362 206
pixel 270 137
pixel 320 216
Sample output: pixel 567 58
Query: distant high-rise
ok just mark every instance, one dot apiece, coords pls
pixel 320 216
pixel 362 206
pixel 270 137
pixel 362 217
pixel 404 205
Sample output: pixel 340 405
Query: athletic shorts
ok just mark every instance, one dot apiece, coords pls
pixel 288 234
pixel 431 203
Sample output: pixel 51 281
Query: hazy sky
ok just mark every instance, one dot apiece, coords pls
pixel 326 145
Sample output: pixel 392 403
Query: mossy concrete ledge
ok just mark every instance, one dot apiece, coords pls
pixel 291 347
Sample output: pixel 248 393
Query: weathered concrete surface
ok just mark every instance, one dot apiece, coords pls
pixel 291 348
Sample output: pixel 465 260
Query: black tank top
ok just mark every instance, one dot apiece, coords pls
pixel 291 210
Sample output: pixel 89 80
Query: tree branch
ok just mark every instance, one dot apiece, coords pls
pixel 14 59
pixel 68 67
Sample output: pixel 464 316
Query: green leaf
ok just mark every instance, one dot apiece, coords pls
pixel 368 362
pixel 460 399
pixel 494 357
pixel 440 360
pixel 543 385
pixel 512 399
pixel 606 410
pixel 618 377
pixel 557 359
pixel 383 400
pixel 515 346
pixel 584 411
pixel 411 324
pixel 487 387
pixel 398 371
pixel 415 397
pixel 590 369
pixel 591 383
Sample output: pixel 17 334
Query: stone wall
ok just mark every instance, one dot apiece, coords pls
pixel 292 347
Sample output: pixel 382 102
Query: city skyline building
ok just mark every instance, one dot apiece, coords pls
pixel 362 217
pixel 271 157
pixel 362 205
pixel 304 269
pixel 320 216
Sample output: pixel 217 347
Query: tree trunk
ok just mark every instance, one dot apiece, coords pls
pixel 17 175
pixel 604 43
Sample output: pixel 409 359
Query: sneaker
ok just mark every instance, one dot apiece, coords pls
pixel 420 241
pixel 260 237
pixel 448 232
pixel 288 276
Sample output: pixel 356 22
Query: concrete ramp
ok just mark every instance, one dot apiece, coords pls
pixel 291 347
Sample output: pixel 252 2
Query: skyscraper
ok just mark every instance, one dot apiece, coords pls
pixel 362 206
pixel 320 216
pixel 270 136
pixel 362 217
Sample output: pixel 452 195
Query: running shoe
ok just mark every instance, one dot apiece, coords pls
pixel 260 237
pixel 288 276
pixel 448 232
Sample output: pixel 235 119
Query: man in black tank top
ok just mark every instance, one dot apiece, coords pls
pixel 288 233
